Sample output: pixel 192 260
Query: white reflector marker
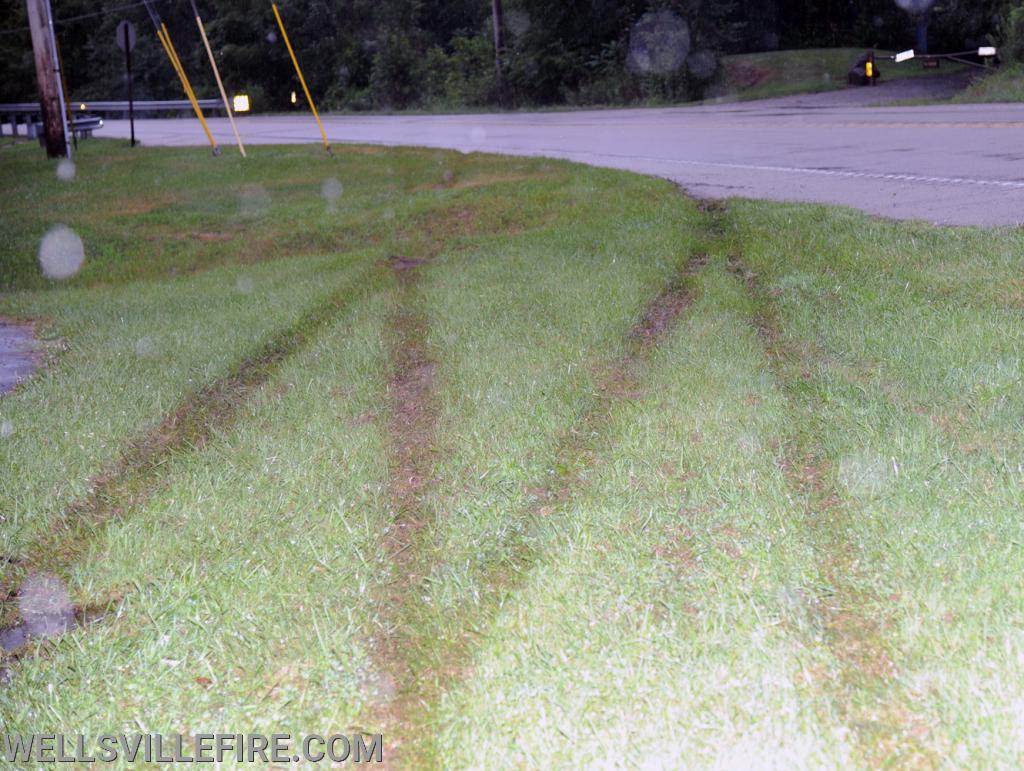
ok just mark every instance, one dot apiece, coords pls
pixel 987 51
pixel 904 56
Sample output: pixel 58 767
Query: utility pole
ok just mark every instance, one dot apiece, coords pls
pixel 499 49
pixel 51 97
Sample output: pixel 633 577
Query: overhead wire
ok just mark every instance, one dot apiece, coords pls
pixel 84 16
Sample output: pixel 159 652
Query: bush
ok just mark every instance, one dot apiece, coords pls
pixel 469 80
pixel 396 79
pixel 1012 33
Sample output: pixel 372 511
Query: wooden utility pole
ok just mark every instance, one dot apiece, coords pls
pixel 50 96
pixel 499 50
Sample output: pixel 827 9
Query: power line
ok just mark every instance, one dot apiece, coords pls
pixel 83 16
pixel 69 19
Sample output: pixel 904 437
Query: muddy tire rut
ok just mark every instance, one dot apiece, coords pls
pixel 855 630
pixel 412 412
pixel 411 398
pixel 141 471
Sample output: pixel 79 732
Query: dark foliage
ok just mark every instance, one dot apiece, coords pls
pixel 394 54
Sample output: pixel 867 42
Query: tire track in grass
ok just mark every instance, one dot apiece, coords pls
pixel 617 383
pixel 410 431
pixel 400 686
pixel 139 473
pixel 886 732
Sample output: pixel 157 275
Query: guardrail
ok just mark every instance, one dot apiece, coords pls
pixel 29 115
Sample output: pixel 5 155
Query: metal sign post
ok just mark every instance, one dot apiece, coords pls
pixel 126 42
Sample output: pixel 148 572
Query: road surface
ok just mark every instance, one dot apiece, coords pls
pixel 948 164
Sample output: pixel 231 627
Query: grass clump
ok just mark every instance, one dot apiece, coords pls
pixel 1005 85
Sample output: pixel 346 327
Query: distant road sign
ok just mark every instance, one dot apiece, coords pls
pixel 122 37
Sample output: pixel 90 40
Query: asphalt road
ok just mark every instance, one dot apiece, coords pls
pixel 949 164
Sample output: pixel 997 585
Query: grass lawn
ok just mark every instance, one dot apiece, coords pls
pixel 1004 85
pixel 516 462
pixel 780 73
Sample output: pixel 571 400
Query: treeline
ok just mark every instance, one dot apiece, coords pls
pixel 398 54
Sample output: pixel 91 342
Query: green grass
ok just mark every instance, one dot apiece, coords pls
pixel 1004 85
pixel 781 73
pixel 784 534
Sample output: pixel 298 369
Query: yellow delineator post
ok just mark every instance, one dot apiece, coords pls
pixel 220 85
pixel 172 55
pixel 302 80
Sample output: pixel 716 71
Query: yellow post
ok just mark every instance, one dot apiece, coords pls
pixel 172 55
pixel 220 85
pixel 302 80
pixel 172 52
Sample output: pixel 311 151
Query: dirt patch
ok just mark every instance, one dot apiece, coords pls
pixel 675 549
pixel 450 223
pixel 1012 293
pixel 207 238
pixel 402 265
pixel 344 149
pixel 856 631
pixel 485 180
pixel 138 205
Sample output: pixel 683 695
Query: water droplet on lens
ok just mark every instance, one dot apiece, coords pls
pixel 915 6
pixel 244 284
pixel 253 201
pixel 66 170
pixel 145 348
pixel 518 22
pixel 6 429
pixel 331 190
pixel 658 43
pixel 44 605
pixel 61 253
